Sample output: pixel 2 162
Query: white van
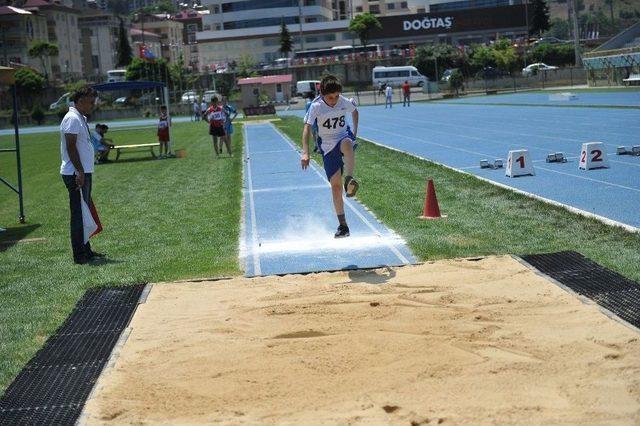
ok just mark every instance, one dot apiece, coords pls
pixel 306 87
pixel 396 76
pixel 116 76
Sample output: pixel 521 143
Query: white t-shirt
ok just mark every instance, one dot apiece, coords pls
pixel 332 122
pixel 388 91
pixel 76 124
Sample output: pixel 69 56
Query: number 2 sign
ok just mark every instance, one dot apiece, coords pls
pixel 593 156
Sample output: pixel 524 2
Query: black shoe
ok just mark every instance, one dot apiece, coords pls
pixel 81 260
pixel 350 186
pixel 95 254
pixel 342 232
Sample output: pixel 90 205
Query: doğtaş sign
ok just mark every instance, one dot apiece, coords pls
pixel 494 18
pixel 428 23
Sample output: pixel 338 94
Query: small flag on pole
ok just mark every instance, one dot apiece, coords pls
pixel 90 221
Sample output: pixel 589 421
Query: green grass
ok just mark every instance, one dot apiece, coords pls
pixel 482 219
pixel 164 220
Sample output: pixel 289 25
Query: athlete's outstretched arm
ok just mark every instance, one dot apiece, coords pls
pixel 354 116
pixel 304 161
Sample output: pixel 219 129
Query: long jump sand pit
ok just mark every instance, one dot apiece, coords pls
pixel 449 342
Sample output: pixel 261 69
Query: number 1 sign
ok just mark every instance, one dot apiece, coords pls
pixel 519 164
pixel 593 156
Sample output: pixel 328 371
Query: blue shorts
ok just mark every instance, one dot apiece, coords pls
pixel 228 128
pixel 332 160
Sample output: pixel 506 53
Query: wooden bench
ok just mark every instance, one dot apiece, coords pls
pixel 136 148
pixel 633 78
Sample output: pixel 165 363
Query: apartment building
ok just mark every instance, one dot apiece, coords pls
pixel 99 37
pixel 19 28
pixel 169 31
pixel 62 30
pixel 192 25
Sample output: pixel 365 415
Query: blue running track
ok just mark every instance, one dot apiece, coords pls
pixel 289 219
pixel 459 136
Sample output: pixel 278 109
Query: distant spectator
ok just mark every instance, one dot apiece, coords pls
pixel 163 132
pixel 230 114
pixel 406 94
pixel 101 145
pixel 380 88
pixel 196 110
pixel 203 108
pixel 388 97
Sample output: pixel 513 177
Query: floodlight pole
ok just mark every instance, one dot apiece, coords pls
pixel 166 102
pixel 17 140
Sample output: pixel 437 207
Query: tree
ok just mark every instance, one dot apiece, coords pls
pixel 286 42
pixel 610 3
pixel 456 81
pixel 559 29
pixel 505 55
pixel 362 25
pixel 124 52
pixel 482 57
pixel 28 83
pixel 43 49
pixel 140 69
pixel 432 60
pixel 245 65
pixel 539 17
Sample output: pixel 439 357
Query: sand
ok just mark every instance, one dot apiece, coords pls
pixel 483 341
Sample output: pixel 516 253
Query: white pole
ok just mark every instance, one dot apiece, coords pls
pixel 166 103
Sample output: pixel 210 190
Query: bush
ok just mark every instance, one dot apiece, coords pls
pixel 456 82
pixel 554 54
pixel 37 114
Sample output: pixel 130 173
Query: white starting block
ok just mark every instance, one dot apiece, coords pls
pixel 519 164
pixel 623 150
pixel 497 164
pixel 557 157
pixel 593 156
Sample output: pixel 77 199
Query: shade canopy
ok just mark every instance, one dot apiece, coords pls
pixel 128 85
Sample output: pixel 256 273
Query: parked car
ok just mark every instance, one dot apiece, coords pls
pixel 490 73
pixel 189 97
pixel 209 94
pixel 533 69
pixel 62 102
pixel 446 75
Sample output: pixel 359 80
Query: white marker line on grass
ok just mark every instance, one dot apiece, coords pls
pixel 252 207
pixel 348 202
pixel 572 209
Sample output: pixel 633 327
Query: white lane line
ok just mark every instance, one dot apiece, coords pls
pixel 590 179
pixel 348 202
pixel 289 188
pixel 252 207
pixel 572 209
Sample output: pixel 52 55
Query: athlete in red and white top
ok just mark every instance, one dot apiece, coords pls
pixel 216 117
pixel 330 113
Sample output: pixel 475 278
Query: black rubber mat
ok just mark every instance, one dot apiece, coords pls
pixel 608 289
pixel 55 384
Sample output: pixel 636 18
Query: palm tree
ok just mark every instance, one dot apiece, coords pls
pixel 42 49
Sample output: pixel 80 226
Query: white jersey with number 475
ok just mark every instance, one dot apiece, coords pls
pixel 332 122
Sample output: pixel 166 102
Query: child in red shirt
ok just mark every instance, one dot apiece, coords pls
pixel 163 132
pixel 215 116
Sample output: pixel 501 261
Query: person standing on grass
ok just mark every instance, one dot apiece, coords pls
pixel 388 95
pixel 163 132
pixel 215 116
pixel 335 141
pixel 76 169
pixel 230 114
pixel 406 93
pixel 203 109
pixel 196 110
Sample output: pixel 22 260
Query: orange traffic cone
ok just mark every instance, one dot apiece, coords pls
pixel 431 208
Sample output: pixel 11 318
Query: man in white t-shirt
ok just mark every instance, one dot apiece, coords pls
pixel 76 169
pixel 388 97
